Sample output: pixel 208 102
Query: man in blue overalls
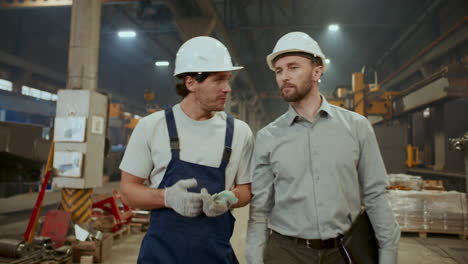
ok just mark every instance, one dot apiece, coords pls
pixel 196 159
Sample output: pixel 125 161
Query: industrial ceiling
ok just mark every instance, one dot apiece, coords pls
pixel 377 34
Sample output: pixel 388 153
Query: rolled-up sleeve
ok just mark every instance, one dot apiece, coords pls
pixel 244 172
pixel 137 157
pixel 262 201
pixel 374 182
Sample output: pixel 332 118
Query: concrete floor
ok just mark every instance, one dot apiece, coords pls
pixel 437 250
pixel 14 213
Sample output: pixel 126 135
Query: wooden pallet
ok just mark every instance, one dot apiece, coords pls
pixel 139 227
pixel 425 233
pixel 65 260
pixel 124 231
pixel 38 260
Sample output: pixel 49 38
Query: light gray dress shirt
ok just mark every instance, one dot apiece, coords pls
pixel 308 178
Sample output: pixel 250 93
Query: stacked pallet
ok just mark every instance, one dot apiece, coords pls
pixel 405 182
pixel 430 211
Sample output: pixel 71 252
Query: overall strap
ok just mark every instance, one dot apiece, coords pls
pixel 171 127
pixel 228 141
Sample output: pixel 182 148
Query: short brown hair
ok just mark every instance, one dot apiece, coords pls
pixel 316 61
pixel 181 89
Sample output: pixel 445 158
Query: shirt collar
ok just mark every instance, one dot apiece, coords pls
pixel 324 111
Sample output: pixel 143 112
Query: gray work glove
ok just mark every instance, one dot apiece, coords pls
pixel 217 204
pixel 185 203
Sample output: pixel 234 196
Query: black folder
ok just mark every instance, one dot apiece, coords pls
pixel 359 245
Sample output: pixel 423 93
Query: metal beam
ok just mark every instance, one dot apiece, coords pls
pixel 190 27
pixel 457 35
pixel 32 67
pixel 59 77
pixel 208 9
pixel 128 21
pixel 49 3
pixel 450 82
pixel 409 31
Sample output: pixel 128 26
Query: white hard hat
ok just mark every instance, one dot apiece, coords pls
pixel 203 54
pixel 296 42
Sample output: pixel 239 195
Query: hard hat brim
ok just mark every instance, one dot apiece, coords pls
pixel 233 68
pixel 270 58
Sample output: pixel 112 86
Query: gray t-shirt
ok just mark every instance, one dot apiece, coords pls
pixel 202 142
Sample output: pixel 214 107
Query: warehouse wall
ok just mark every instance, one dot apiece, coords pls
pixel 392 140
pixel 456 124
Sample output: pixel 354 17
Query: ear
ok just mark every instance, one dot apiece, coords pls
pixel 190 83
pixel 317 73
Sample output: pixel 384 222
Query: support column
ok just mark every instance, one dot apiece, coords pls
pixel 461 144
pixel 83 75
pixel 359 96
pixel 83 54
pixel 466 164
pixel 440 144
pixel 79 203
pixel 428 150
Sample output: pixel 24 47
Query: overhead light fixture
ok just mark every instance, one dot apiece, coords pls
pixel 161 63
pixel 334 27
pixel 427 112
pixel 320 81
pixel 127 34
pixel 327 61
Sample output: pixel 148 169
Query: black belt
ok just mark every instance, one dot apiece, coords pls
pixel 313 243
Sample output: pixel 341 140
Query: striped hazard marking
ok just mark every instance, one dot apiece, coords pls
pixel 78 202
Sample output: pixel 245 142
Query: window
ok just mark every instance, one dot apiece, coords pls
pixel 46 95
pixel 25 90
pixel 6 85
pixel 36 93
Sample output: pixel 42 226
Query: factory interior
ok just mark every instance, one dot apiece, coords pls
pixel 76 76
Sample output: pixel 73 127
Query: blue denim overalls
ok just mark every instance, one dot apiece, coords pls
pixel 173 238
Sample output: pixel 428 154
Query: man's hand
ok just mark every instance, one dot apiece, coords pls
pixel 217 204
pixel 185 203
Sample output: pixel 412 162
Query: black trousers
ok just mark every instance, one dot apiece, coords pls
pixel 281 250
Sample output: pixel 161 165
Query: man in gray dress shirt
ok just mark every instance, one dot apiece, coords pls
pixel 311 166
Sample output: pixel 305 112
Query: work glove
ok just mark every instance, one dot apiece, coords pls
pixel 185 203
pixel 217 204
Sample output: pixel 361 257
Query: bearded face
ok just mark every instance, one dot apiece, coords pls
pixel 296 77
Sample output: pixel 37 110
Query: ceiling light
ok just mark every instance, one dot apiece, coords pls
pixel 333 27
pixel 320 81
pixel 127 34
pixel 327 61
pixel 162 63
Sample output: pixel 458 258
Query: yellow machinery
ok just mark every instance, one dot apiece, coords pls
pixel 413 156
pixel 363 105
pixel 358 99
